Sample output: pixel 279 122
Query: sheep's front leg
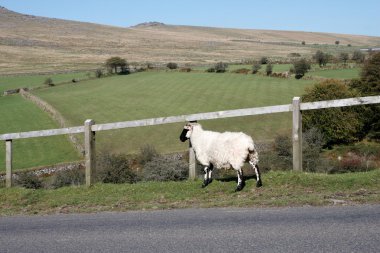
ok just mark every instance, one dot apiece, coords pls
pixel 241 182
pixel 208 171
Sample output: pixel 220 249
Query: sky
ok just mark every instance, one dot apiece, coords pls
pixel 333 16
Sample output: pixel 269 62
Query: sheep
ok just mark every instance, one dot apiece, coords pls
pixel 222 150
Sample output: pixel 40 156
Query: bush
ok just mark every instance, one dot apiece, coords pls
pixel 49 81
pixel 301 67
pixel 358 56
pixel 269 69
pixel 147 153
pixel 338 125
pixel 29 180
pixel 68 178
pixel 172 65
pixel 111 168
pixel 242 71
pixel 264 60
pixel 98 73
pixel 312 143
pixel 255 68
pixel 165 168
pixel 221 67
pixel 210 70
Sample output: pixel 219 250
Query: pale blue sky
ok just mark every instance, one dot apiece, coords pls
pixel 336 16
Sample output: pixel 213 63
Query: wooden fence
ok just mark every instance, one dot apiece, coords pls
pixel 90 128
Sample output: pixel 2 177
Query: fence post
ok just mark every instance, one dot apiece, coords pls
pixel 8 163
pixel 297 134
pixel 89 147
pixel 192 162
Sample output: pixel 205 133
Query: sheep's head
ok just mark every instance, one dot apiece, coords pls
pixel 186 132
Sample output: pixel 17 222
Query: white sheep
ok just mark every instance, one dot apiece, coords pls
pixel 222 150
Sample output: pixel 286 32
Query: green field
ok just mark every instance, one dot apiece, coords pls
pixel 336 73
pixel 18 115
pixel 147 95
pixel 32 81
pixel 159 94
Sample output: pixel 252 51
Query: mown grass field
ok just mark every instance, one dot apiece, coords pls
pixel 336 73
pixel 18 115
pixel 32 81
pixel 159 94
pixel 280 189
pixel 146 95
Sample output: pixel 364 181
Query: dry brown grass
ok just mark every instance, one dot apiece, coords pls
pixel 35 44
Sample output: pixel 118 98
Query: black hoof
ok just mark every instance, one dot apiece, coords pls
pixel 240 186
pixel 259 184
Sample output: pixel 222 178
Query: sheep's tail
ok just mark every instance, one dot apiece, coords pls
pixel 253 156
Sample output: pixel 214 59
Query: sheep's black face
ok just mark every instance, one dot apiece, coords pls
pixel 183 137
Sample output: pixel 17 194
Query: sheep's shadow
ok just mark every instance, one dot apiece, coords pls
pixel 234 179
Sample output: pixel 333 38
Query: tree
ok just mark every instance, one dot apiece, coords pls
pixel 321 58
pixel 301 67
pixel 344 57
pixel 114 63
pixel 337 42
pixel 49 81
pixel 269 69
pixel 264 60
pixel 172 65
pixel 256 67
pixel 221 67
pixel 338 125
pixel 358 56
pixel 303 43
pixel 370 75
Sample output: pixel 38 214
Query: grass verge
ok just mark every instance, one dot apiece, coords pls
pixel 280 189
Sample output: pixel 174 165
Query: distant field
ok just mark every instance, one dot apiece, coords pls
pixel 158 94
pixel 31 81
pixel 336 73
pixel 18 115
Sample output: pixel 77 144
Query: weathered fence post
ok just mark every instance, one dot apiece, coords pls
pixel 8 163
pixel 89 147
pixel 297 134
pixel 192 162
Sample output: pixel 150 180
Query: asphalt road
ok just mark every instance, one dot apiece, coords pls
pixel 305 229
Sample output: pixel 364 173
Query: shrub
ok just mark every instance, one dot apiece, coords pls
pixel 312 143
pixel 210 70
pixel 29 180
pixel 172 65
pixel 98 73
pixel 301 67
pixel 256 67
pixel 269 69
pixel 358 56
pixel 221 67
pixel 241 71
pixel 111 168
pixel 264 60
pixel 68 178
pixel 338 125
pixel 147 153
pixel 49 81
pixel 165 168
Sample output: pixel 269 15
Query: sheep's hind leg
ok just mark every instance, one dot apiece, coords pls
pixel 257 172
pixel 253 160
pixel 241 182
pixel 208 171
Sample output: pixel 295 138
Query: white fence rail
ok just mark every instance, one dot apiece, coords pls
pixel 90 128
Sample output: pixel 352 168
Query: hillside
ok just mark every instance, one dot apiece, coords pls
pixel 37 44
